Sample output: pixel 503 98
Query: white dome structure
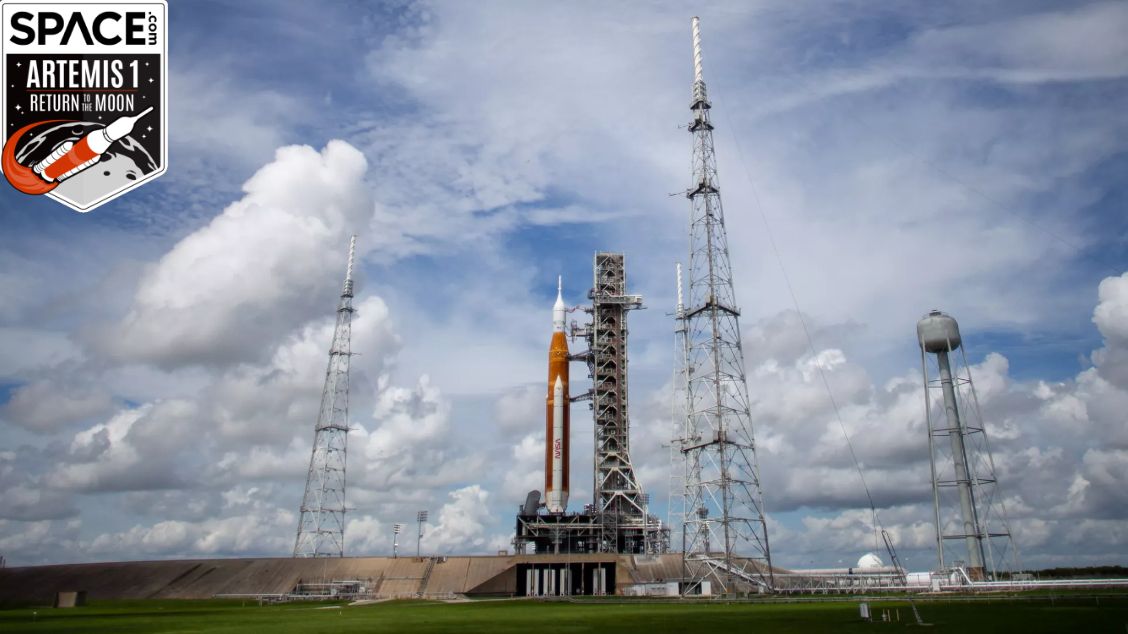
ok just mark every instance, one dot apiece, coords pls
pixel 869 561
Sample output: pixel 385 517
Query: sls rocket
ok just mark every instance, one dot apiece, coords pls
pixel 556 456
pixel 71 158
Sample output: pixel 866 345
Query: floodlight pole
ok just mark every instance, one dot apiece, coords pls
pixel 420 517
pixel 396 528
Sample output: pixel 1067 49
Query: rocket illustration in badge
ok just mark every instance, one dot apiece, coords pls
pixel 71 158
pixel 68 159
pixel 557 429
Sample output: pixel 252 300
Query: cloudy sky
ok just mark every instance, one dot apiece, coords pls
pixel 161 358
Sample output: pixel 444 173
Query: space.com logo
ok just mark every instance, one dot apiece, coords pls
pixel 84 99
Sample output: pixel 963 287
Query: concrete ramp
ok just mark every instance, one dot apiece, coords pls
pixel 205 578
pixel 654 568
pixel 491 576
pixel 447 574
pixel 384 577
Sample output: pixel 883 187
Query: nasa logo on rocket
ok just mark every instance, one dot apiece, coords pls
pixel 85 98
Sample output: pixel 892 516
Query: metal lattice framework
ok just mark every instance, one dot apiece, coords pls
pixel 619 501
pixel 675 509
pixel 321 529
pixel 967 504
pixel 724 536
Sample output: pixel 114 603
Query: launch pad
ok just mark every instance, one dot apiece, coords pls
pixel 580 533
pixel 559 533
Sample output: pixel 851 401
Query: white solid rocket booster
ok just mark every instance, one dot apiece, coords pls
pixel 558 498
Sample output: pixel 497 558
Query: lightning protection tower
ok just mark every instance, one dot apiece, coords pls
pixel 675 507
pixel 724 536
pixel 965 496
pixel 321 529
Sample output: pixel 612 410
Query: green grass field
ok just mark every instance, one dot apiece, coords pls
pixel 1074 614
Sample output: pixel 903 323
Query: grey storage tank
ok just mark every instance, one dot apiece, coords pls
pixel 938 332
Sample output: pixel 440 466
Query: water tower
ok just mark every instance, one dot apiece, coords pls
pixel 967 507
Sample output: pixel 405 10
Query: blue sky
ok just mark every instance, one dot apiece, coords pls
pixel 163 355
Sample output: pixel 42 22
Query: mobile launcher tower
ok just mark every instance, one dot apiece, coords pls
pixel 966 502
pixel 618 519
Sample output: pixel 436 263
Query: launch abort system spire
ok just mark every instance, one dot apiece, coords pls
pixel 960 456
pixel 724 535
pixel 321 529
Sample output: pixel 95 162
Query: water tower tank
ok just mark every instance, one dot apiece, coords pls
pixel 938 332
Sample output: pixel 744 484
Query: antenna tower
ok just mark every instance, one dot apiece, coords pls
pixel 321 529
pixel 724 536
